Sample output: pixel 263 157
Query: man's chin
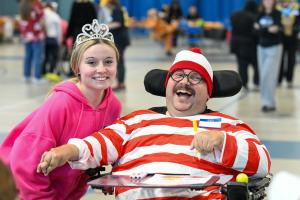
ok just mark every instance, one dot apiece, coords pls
pixel 183 108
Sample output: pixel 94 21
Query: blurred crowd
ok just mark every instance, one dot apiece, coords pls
pixel 257 34
pixel 266 36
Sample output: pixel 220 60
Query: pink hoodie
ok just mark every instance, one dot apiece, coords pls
pixel 64 115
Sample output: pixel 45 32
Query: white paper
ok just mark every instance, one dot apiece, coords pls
pixel 161 179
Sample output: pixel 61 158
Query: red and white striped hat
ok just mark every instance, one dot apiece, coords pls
pixel 194 60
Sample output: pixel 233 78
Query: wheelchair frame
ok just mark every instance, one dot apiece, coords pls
pixel 254 190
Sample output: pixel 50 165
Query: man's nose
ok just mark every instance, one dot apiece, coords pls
pixel 185 79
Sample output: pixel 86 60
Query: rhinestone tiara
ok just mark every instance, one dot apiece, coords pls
pixel 94 31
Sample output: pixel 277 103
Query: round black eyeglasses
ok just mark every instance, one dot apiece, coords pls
pixel 192 77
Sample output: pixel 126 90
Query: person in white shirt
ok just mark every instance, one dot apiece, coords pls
pixel 53 37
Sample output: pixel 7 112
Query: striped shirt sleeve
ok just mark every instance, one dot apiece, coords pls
pixel 104 147
pixel 244 152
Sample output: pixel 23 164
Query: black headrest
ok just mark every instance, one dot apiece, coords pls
pixel 226 83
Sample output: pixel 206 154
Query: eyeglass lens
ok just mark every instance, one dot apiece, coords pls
pixel 193 77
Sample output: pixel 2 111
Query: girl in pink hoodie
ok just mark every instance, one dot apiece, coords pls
pixel 75 108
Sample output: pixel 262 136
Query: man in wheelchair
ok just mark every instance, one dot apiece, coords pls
pixel 163 140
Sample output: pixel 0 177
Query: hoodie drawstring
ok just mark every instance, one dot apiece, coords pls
pixel 80 116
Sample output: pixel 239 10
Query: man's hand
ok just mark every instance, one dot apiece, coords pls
pixel 57 157
pixel 207 141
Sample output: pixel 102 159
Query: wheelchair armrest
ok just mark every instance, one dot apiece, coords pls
pixel 95 173
pixel 254 190
pixel 259 182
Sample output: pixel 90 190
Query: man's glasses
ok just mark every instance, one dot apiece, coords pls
pixel 192 77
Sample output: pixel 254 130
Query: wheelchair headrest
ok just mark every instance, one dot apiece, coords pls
pixel 226 83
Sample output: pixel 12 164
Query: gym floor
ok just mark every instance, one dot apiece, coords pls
pixel 278 130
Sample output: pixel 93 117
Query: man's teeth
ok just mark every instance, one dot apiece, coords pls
pixel 183 92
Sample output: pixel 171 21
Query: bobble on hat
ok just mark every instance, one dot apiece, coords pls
pixel 194 60
pixel 196 50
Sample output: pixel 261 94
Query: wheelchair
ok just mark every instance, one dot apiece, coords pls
pixel 226 83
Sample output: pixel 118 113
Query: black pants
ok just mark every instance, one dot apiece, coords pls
pixel 243 64
pixel 288 60
pixel 121 65
pixel 51 55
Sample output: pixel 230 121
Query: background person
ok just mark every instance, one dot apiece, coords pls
pixel 163 141
pixel 53 40
pixel 244 41
pixel 269 52
pixel 290 21
pixel 193 26
pixel 161 30
pixel 122 39
pixel 174 16
pixel 82 12
pixel 33 35
pixel 75 108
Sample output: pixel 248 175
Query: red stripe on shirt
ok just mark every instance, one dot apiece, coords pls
pixel 253 157
pixel 90 147
pixel 179 123
pixel 115 139
pixel 102 143
pixel 182 159
pixel 221 115
pixel 139 112
pixel 158 139
pixel 235 128
pixel 230 151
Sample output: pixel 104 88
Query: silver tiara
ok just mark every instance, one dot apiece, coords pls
pixel 94 31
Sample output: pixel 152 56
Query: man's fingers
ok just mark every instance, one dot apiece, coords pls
pixel 45 163
pixel 39 169
pixel 43 156
pixel 48 170
pixel 42 167
pixel 208 147
pixel 193 144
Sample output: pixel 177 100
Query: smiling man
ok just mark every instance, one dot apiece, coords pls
pixel 182 98
pixel 163 141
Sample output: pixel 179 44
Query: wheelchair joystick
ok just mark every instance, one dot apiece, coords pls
pixel 242 178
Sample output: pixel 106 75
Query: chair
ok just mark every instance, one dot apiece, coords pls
pixel 192 32
pixel 154 84
pixel 194 36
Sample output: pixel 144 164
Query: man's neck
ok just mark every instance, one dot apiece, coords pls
pixel 177 113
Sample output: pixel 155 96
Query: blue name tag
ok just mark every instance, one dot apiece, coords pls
pixel 210 122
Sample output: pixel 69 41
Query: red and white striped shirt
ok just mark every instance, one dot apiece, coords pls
pixel 146 141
